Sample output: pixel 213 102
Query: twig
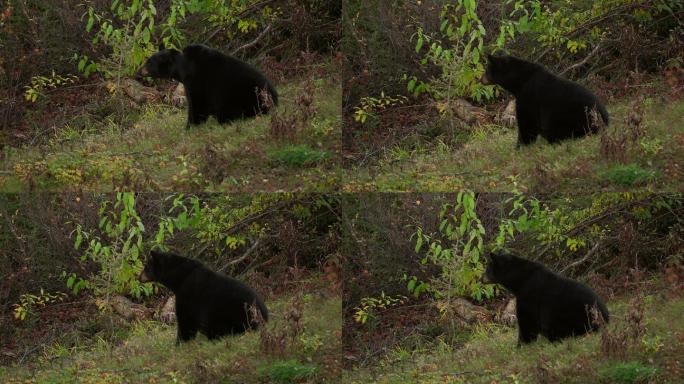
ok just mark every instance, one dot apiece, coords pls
pixel 582 62
pixel 253 42
pixel 591 221
pixel 72 87
pixel 582 260
pixel 241 258
pixel 590 23
pixel 30 351
pixel 241 14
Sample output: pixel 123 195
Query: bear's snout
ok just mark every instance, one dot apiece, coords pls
pixel 485 279
pixel 143 277
pixel 485 79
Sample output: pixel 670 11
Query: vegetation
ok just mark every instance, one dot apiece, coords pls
pixel 489 354
pixel 104 156
pixel 375 96
pixel 409 319
pixel 76 301
pixel 107 130
pixel 484 158
pixel 452 132
pixel 144 352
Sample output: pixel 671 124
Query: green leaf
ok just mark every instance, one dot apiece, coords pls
pixel 79 238
pixel 443 25
pixel 91 20
pixel 419 44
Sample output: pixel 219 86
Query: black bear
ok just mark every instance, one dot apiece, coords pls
pixel 545 104
pixel 215 84
pixel 206 301
pixel 546 303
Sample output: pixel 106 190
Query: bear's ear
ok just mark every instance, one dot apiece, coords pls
pixel 506 257
pixel 499 255
pixel 162 46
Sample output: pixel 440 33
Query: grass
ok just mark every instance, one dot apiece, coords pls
pixel 146 353
pixel 491 356
pixel 296 155
pixel 486 159
pixel 627 373
pixel 629 175
pixel 158 153
pixel 288 371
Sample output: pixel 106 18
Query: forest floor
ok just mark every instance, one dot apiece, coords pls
pixel 156 152
pixel 145 352
pixel 486 159
pixel 488 353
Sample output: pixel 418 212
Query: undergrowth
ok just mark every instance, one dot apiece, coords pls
pixel 157 152
pixel 647 349
pixel 146 352
pixel 485 158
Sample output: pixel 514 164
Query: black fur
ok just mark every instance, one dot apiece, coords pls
pixel 546 303
pixel 545 104
pixel 206 301
pixel 215 84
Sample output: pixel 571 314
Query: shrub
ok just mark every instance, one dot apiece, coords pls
pixel 629 175
pixel 627 373
pixel 288 371
pixel 297 155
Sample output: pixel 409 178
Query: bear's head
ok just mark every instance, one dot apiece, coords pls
pixel 162 64
pixel 492 67
pixel 508 72
pixel 509 270
pixel 497 264
pixel 153 263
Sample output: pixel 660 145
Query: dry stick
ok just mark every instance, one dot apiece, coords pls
pixel 241 258
pixel 30 351
pixel 72 87
pixel 253 42
pixel 386 347
pixel 254 217
pixel 243 13
pixel 592 220
pixel 614 12
pixel 582 62
pixel 582 260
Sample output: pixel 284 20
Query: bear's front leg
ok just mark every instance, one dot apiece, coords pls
pixel 185 333
pixel 527 129
pixel 187 329
pixel 192 117
pixel 526 335
pixel 527 326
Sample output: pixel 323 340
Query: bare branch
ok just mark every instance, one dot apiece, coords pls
pixel 582 62
pixel 244 13
pixel 253 42
pixel 241 258
pixel 582 260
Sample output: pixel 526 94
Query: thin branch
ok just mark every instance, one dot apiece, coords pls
pixel 253 42
pixel 617 11
pixel 245 12
pixel 582 260
pixel 582 62
pixel 241 258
